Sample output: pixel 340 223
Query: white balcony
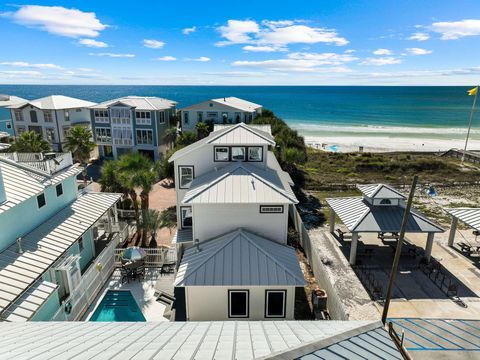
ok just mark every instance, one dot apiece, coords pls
pixel 49 163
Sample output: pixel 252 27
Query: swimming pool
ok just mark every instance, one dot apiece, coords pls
pixel 118 306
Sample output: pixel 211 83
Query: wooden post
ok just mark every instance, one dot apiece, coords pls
pixel 353 248
pixel 453 229
pixel 428 248
pixel 332 221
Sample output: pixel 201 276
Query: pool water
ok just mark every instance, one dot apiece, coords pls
pixel 118 306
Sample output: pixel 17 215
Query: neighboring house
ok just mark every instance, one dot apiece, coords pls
pixel 50 236
pixel 51 116
pixel 228 110
pixel 233 201
pixel 6 122
pixel 132 123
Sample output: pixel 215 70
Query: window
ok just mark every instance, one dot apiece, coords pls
pixel 385 202
pixel 50 134
pixel 103 135
pixel 211 105
pixel 101 116
pixel 9 125
pixel 271 209
pixel 59 190
pixel 185 173
pixel 47 116
pixel 20 130
pixel 185 117
pixel 78 110
pixel 80 244
pixel 255 153
pixel 238 153
pixel 275 303
pixel 238 117
pixel 18 115
pixel 33 116
pixel 200 116
pixel 66 130
pixel 143 117
pixel 144 137
pixel 41 202
pixel 161 117
pixel 238 306
pixel 212 116
pixel 222 153
pixel 120 115
pixel 225 117
pixel 67 115
pixel 186 214
pixel 122 135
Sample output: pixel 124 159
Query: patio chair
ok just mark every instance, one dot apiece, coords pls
pixel 124 275
pixel 140 272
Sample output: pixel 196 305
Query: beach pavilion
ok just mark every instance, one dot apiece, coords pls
pixel 380 209
pixel 470 217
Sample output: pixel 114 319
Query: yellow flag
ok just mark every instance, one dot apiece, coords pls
pixel 473 91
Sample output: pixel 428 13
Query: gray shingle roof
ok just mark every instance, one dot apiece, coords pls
pixel 470 216
pixel 240 258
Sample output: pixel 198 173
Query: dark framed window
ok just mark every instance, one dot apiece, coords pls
pixel 238 153
pixel 80 244
pixel 186 216
pixel 222 153
pixel 59 189
pixel 271 209
pixel 238 303
pixel 185 117
pixel 255 153
pixel 41 202
pixel 275 303
pixel 185 176
pixel 385 202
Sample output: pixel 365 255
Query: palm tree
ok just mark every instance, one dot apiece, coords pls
pixel 152 221
pixel 30 142
pixel 109 178
pixel 202 130
pixel 169 218
pixel 170 136
pixel 79 142
pixel 186 138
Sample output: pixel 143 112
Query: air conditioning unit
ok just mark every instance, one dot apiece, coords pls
pixel 68 275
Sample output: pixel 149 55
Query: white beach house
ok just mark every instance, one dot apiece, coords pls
pixel 51 116
pixel 232 204
pixel 132 123
pixel 54 240
pixel 227 110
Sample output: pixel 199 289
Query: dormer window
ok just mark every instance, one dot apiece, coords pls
pixel 238 153
pixel 386 202
pixel 255 153
pixel 222 153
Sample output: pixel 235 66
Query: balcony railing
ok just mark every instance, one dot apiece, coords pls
pixel 48 163
pixel 155 257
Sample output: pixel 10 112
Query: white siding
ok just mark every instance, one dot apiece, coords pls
pixel 210 303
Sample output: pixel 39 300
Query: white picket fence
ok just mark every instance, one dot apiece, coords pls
pixel 92 281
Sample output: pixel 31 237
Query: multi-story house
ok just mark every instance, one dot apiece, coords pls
pixel 51 116
pixel 54 240
pixel 6 123
pixel 233 202
pixel 132 123
pixel 227 110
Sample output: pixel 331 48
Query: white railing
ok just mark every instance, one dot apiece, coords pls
pixel 92 281
pixel 41 161
pixel 155 257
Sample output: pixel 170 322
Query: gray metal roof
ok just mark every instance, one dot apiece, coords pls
pixel 44 245
pixel 182 236
pixel 240 258
pixel 21 183
pixel 239 183
pixel 380 191
pixel 139 103
pixel 470 216
pixel 239 340
pixel 246 132
pixel 262 127
pixel 55 102
pixel 232 102
pixel 360 216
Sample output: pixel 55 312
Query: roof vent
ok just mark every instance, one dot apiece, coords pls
pixel 197 245
pixel 19 245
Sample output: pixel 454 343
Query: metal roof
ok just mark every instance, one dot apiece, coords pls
pixel 44 245
pixel 380 191
pixel 470 216
pixel 253 135
pixel 182 236
pixel 139 103
pixel 262 127
pixel 22 183
pixel 55 102
pixel 360 216
pixel 231 101
pixel 9 100
pixel 239 340
pixel 240 258
pixel 239 183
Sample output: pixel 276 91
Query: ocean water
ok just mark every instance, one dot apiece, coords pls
pixel 398 111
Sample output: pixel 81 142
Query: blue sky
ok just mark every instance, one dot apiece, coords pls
pixel 241 42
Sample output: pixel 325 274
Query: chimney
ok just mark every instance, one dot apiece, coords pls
pixel 19 245
pixel 3 196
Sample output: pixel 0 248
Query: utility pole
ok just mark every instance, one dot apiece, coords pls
pixel 398 251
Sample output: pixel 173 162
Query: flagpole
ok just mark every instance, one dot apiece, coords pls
pixel 469 124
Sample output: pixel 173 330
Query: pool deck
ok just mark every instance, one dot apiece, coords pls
pixel 143 292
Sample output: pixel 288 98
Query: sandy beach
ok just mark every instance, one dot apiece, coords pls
pixel 386 144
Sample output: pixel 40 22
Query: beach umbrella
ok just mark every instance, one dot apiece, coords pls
pixel 133 253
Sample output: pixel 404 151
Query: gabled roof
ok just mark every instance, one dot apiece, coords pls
pixel 231 101
pixel 56 102
pixel 380 191
pixel 238 134
pixel 470 216
pixel 239 183
pixel 44 245
pixel 266 128
pixel 21 183
pixel 205 340
pixel 139 103
pixel 240 258
pixel 360 216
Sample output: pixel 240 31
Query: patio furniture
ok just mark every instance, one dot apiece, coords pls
pixel 465 248
pixel 140 272
pixel 133 254
pixel 124 275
